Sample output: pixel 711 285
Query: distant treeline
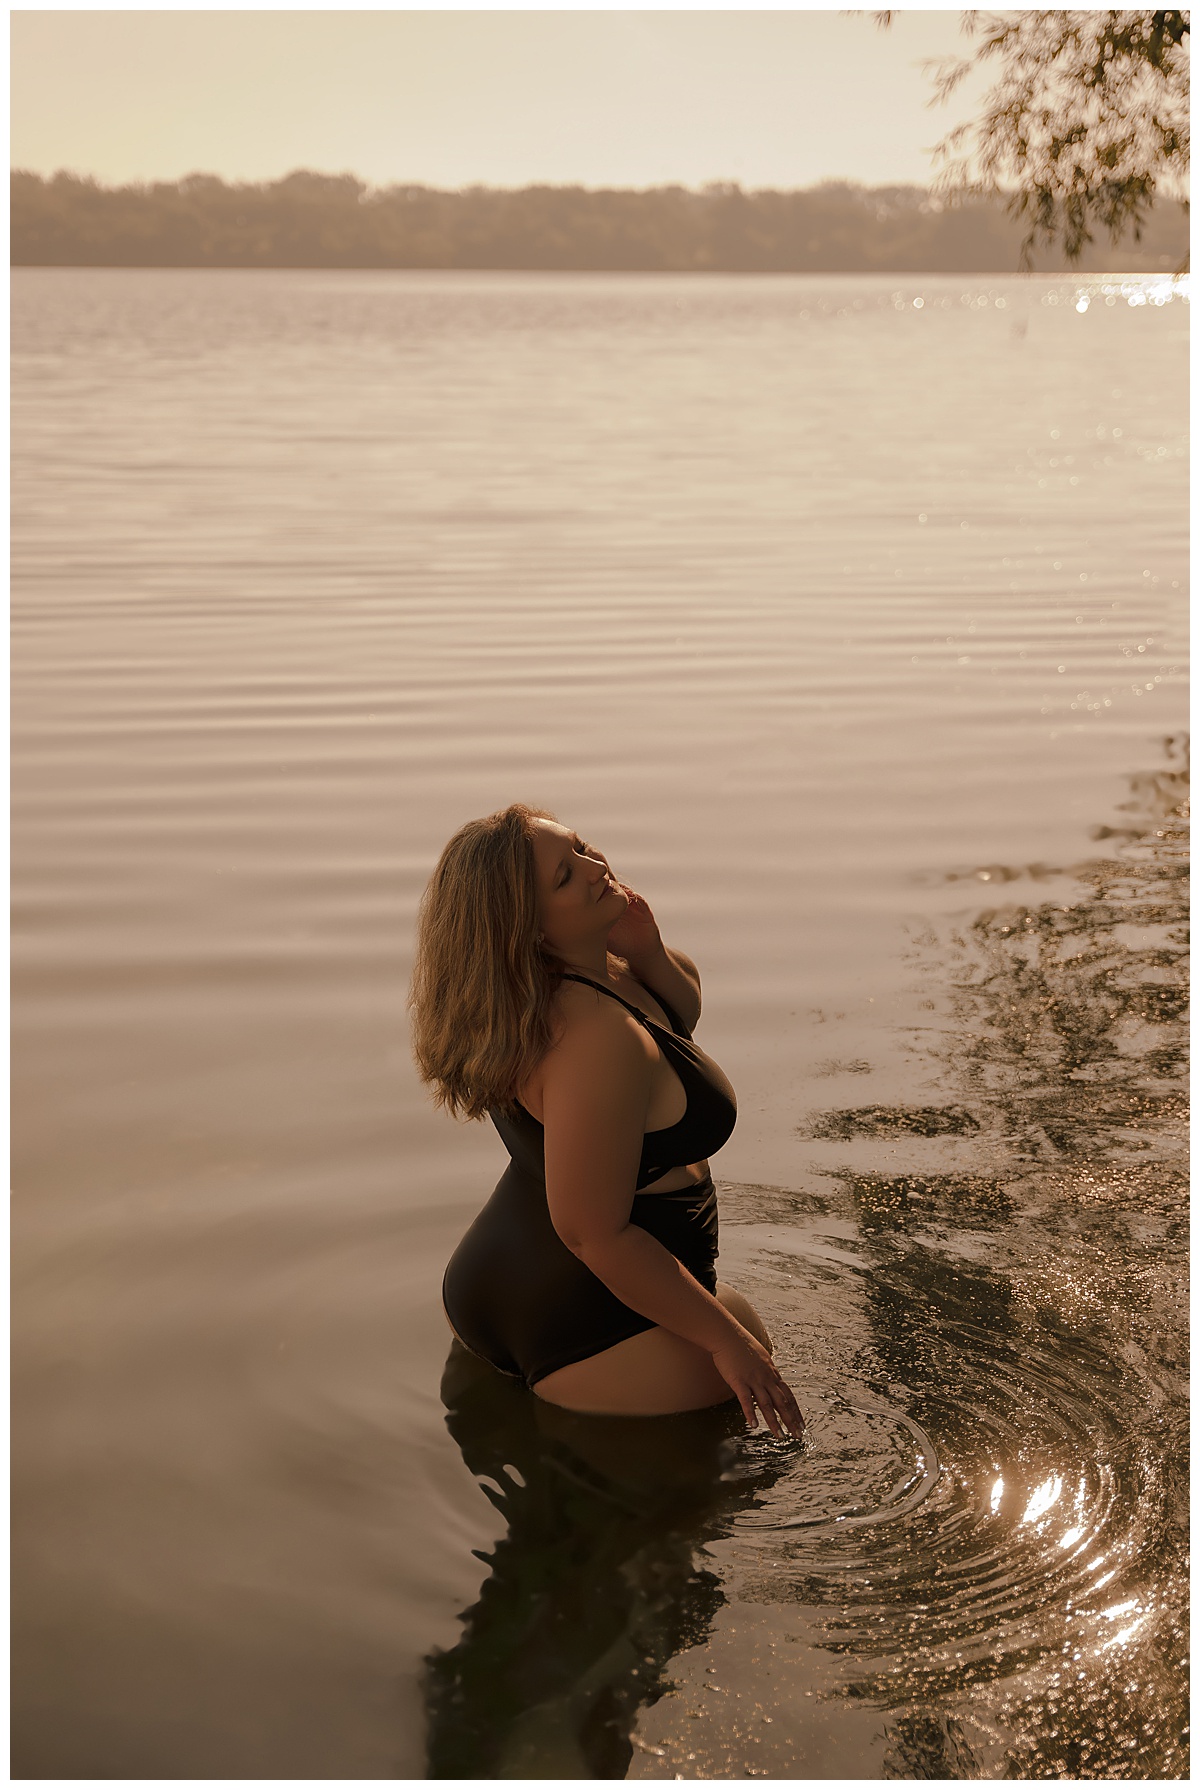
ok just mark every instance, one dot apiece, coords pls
pixel 323 220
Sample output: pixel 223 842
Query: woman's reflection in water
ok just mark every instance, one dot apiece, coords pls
pixel 595 1586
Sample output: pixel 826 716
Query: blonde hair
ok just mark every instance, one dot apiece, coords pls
pixel 482 983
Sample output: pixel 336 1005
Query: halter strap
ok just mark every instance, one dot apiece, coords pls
pixel 602 988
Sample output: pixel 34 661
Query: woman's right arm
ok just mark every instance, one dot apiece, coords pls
pixel 595 1091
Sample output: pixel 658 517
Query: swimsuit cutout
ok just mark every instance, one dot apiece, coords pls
pixel 513 1291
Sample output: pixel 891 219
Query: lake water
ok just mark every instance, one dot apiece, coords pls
pixel 848 615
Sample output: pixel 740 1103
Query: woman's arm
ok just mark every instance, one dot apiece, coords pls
pixel 595 1092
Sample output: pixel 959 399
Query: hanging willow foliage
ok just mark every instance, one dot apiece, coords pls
pixel 1088 119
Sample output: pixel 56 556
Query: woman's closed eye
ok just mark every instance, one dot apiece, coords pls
pixel 565 876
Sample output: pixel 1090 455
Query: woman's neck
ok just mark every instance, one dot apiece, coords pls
pixel 588 963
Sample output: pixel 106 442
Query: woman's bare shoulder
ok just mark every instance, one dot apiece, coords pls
pixel 592 1037
pixel 590 1029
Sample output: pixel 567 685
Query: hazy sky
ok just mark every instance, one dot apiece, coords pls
pixel 503 98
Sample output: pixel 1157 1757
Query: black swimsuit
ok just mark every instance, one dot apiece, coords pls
pixel 514 1292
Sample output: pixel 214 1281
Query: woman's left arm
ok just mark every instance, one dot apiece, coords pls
pixel 665 972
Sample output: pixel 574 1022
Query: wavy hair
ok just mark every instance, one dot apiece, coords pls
pixel 482 984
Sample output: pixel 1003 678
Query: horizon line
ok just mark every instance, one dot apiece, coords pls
pixel 716 184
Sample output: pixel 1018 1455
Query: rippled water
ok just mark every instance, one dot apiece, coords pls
pixel 853 629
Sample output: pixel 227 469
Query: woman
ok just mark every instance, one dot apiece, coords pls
pixel 544 996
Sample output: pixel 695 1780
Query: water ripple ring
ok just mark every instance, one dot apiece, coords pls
pixel 902 1500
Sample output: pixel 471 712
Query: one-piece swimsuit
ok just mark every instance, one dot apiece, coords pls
pixel 513 1291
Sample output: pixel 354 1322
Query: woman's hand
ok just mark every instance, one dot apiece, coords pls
pixel 635 935
pixel 749 1371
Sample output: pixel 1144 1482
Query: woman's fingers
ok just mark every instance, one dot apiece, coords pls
pixel 636 901
pixel 746 1400
pixel 779 1409
pixel 751 1374
pixel 771 1416
pixel 788 1409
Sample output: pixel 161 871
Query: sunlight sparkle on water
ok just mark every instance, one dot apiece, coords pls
pixel 1043 1499
pixel 1156 289
pixel 1130 1629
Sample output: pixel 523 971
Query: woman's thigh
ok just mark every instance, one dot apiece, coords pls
pixel 650 1374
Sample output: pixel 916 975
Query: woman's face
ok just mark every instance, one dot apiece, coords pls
pixel 578 900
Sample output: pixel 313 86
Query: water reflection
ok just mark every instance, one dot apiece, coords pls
pixel 595 1585
pixel 928 1744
